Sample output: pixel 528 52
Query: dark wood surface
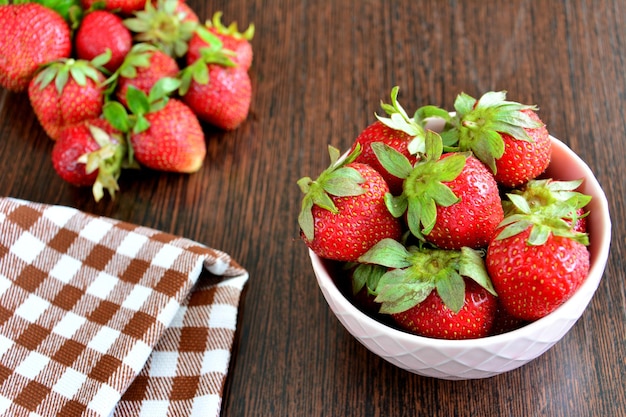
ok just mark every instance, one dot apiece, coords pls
pixel 321 69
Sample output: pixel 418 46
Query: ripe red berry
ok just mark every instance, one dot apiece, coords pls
pixel 101 30
pixel 343 212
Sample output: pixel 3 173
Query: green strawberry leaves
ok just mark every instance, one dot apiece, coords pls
pixel 366 275
pixel 414 272
pixel 337 180
pixel 548 207
pixel 232 29
pixel 163 26
pixel 139 105
pixel 478 124
pixel 116 114
pixel 79 70
pixel 423 188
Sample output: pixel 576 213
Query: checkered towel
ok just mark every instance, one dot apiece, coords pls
pixel 99 317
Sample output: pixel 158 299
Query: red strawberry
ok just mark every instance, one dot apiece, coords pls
pixel 343 212
pixel 101 30
pixel 433 292
pixel 537 260
pixel 142 68
pixel 21 53
pixel 216 88
pixel 167 24
pixel 533 280
pixel 90 154
pixel 67 92
pixel 507 136
pixel 224 100
pixel 124 7
pixel 174 141
pixel 164 133
pixel 231 38
pixel 473 219
pixel 450 200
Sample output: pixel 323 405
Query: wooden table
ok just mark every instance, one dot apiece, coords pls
pixel 321 69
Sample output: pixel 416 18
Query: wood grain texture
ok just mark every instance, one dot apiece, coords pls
pixel 320 71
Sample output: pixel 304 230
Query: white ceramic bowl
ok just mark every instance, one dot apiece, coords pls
pixel 485 357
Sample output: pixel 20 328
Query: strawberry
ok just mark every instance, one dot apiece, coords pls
pixel 537 260
pixel 143 67
pixel 164 133
pixel 434 292
pixel 217 89
pixel 21 53
pixel 101 30
pixel 224 100
pixel 397 131
pixel 90 153
pixel 215 86
pixel 173 142
pixel 508 137
pixel 231 38
pixel 473 219
pixel 167 24
pixel 124 7
pixel 67 92
pixel 343 211
pixel 450 200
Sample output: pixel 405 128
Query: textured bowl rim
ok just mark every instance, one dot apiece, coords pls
pixel 600 244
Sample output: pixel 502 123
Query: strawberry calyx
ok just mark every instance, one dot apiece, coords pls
pixel 423 187
pixel 413 272
pixel 547 207
pixel 337 180
pixel 79 70
pixel 478 124
pixel 164 26
pixel 231 30
pixel 139 104
pixel 108 160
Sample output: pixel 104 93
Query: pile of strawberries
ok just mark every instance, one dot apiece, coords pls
pixel 452 234
pixel 125 83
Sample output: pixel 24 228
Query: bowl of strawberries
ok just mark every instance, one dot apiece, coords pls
pixel 457 245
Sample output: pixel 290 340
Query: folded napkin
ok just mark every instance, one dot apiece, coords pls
pixel 100 317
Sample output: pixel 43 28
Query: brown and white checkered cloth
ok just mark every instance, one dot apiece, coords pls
pixel 100 317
